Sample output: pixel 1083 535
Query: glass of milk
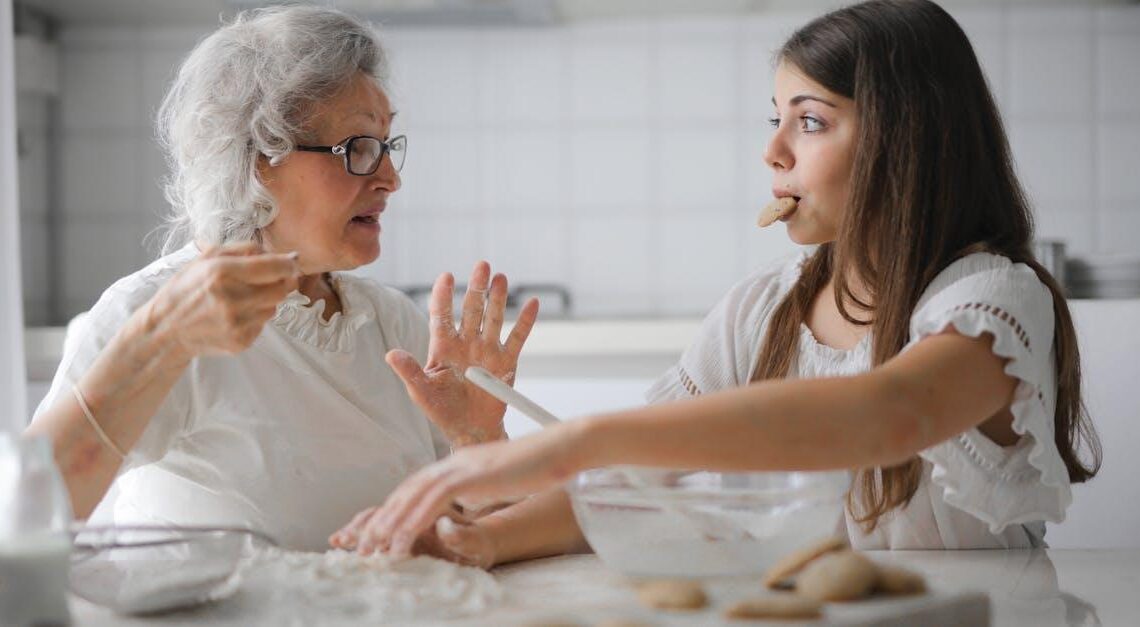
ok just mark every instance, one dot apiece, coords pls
pixel 35 543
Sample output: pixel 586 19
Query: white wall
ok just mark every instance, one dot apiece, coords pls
pixel 623 159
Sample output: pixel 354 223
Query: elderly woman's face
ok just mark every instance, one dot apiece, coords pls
pixel 330 217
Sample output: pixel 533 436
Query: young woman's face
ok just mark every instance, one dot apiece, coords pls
pixel 330 217
pixel 811 153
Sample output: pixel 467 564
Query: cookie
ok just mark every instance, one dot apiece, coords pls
pixel 792 563
pixel 672 594
pixel 896 581
pixel 842 576
pixel 775 210
pixel 777 606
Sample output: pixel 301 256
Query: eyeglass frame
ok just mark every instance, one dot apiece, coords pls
pixel 341 148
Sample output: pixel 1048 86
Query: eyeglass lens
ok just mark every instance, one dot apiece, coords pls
pixel 365 153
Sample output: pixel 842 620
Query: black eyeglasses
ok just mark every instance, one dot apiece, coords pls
pixel 363 154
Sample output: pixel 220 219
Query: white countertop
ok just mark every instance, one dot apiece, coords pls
pixel 1025 587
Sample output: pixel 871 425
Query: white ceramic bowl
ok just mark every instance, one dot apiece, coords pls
pixel 652 522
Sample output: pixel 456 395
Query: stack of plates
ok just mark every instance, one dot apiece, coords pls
pixel 1103 278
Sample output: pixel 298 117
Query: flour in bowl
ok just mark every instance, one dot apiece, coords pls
pixel 341 587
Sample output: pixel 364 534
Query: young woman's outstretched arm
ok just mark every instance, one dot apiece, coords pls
pixel 944 385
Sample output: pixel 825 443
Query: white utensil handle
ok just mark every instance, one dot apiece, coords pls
pixel 493 386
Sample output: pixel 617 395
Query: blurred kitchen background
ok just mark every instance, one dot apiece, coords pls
pixel 605 154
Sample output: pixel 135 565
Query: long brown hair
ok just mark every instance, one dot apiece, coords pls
pixel 932 168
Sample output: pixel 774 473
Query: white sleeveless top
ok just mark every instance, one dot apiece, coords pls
pixel 292 436
pixel 974 493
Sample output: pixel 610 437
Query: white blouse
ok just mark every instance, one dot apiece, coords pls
pixel 293 436
pixel 974 493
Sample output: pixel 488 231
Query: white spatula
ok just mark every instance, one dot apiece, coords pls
pixel 708 524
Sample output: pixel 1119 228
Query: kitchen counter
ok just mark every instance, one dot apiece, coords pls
pixel 1026 587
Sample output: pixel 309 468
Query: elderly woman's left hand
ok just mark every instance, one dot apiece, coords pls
pixel 466 414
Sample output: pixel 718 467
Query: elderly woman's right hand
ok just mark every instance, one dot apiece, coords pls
pixel 219 303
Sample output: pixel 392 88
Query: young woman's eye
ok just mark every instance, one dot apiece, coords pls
pixel 810 124
pixel 774 122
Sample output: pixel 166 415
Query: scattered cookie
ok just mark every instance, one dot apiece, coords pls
pixel 775 210
pixel 672 594
pixel 777 606
pixel 896 581
pixel 842 576
pixel 792 563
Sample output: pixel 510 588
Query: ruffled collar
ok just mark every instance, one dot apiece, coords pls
pixel 298 317
pixel 809 344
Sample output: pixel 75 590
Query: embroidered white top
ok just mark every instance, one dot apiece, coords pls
pixel 292 436
pixel 974 493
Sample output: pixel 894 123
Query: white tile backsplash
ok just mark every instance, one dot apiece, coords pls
pixel 35 167
pixel 524 77
pixel 610 170
pixel 435 76
pixel 1118 63
pixel 102 89
pixel 1054 159
pixel 610 79
pixel 438 245
pixel 529 249
pixel 35 273
pixel 1119 161
pixel 700 259
pixel 1051 76
pixel 1067 220
pixel 443 171
pixel 98 170
pixel 698 170
pixel 622 158
pixel 1119 226
pixel 698 79
pixel 612 268
pixel 525 172
pixel 115 243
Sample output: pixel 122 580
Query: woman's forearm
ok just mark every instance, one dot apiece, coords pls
pixel 123 388
pixel 943 386
pixel 540 526
pixel 811 424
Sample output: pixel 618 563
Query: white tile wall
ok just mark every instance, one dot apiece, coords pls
pixel 623 159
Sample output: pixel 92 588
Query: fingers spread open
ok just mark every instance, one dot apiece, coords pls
pixel 473 300
pixel 496 308
pixel 527 315
pixel 439 308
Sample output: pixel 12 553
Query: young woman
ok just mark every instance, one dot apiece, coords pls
pixel 919 343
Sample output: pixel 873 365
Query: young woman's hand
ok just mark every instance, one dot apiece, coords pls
pixel 466 414
pixel 220 302
pixel 472 477
pixel 454 537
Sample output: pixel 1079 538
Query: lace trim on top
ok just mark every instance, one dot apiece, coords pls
pixel 298 317
pixel 687 382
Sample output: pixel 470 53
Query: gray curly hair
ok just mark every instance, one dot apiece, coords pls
pixel 243 92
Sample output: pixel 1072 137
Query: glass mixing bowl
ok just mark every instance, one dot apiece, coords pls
pixel 144 569
pixel 653 522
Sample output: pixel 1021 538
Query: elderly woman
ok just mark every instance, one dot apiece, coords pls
pixel 241 379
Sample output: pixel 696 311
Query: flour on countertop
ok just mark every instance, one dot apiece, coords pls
pixel 343 587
